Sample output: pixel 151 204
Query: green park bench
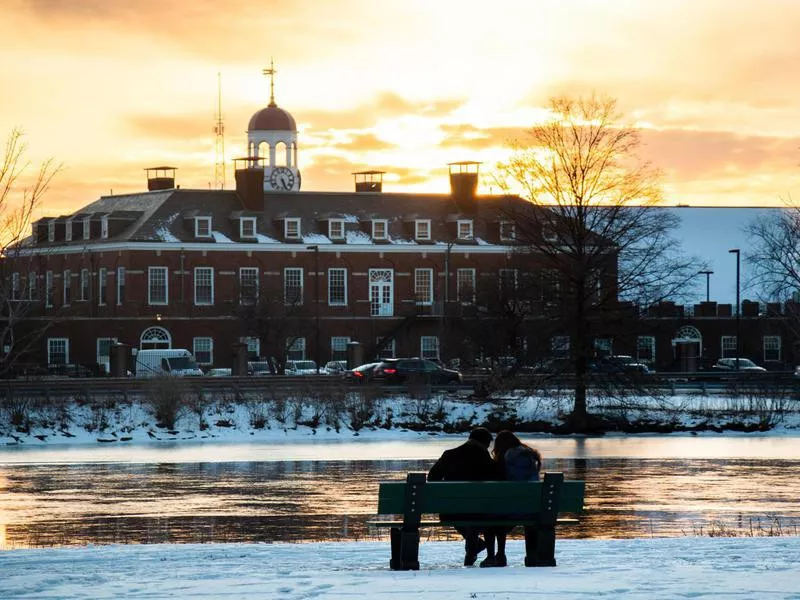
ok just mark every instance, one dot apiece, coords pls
pixel 534 505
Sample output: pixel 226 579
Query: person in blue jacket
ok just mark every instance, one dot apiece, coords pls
pixel 518 462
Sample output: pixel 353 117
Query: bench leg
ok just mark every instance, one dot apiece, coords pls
pixel 540 546
pixel 405 550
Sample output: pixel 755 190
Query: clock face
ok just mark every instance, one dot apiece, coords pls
pixel 281 178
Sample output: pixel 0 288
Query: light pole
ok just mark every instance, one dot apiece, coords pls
pixel 708 275
pixel 738 306
pixel 316 304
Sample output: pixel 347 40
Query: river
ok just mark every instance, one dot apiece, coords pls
pixel 326 490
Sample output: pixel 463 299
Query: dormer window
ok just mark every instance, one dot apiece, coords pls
pixel 247 227
pixel 104 227
pixel 68 231
pixel 87 227
pixel 291 228
pixel 380 227
pixel 549 234
pixel 51 231
pixel 465 230
pixel 336 229
pixel 422 229
pixel 202 227
pixel 508 232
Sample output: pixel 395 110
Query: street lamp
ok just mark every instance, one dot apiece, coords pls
pixel 316 304
pixel 738 306
pixel 708 275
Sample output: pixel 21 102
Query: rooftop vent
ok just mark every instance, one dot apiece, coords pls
pixel 369 181
pixel 250 181
pixel 160 178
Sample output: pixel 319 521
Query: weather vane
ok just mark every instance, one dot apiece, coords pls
pixel 271 72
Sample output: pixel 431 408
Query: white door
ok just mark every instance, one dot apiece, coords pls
pixel 381 292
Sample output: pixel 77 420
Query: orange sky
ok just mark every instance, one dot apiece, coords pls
pixel 111 87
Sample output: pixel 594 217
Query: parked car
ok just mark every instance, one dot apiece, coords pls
pixel 360 374
pixel 401 370
pixel 300 367
pixel 335 367
pixel 217 372
pixel 69 370
pixel 260 368
pixel 745 365
pixel 620 364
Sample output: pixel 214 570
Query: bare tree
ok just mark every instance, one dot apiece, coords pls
pixel 593 229
pixel 774 254
pixel 22 188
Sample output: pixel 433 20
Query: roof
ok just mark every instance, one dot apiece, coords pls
pixel 272 118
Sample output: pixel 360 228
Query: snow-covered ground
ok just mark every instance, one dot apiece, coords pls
pixel 265 419
pixel 746 568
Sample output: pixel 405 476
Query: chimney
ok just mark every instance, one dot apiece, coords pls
pixel 160 178
pixel 464 184
pixel 369 181
pixel 250 182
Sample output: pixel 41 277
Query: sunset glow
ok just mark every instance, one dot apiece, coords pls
pixel 109 88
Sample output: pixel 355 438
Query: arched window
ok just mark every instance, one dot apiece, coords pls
pixel 281 154
pixel 155 338
pixel 263 150
pixel 687 332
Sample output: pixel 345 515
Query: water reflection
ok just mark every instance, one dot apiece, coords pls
pixel 50 504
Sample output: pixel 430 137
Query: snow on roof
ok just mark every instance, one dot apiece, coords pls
pixel 358 237
pixel 219 237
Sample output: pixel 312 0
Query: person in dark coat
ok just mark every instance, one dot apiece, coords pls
pixel 470 461
pixel 517 462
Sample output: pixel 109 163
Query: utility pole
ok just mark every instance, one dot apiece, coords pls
pixel 219 141
pixel 738 305
pixel 316 304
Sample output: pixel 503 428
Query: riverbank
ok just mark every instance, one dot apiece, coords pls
pixel 168 416
pixel 763 568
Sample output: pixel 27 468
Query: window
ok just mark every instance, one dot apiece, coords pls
pixel 336 229
pixel 104 352
pixel 85 283
pixel 429 347
pixel 422 229
pixel 296 348
pixel 202 227
pixel 381 292
pixel 102 282
pixel 291 228
pixel 464 230
pixel 423 286
pixel 247 227
pixel 157 285
pixel 57 351
pixel 465 285
pixel 203 285
pixel 508 282
pixel 292 285
pixel 33 286
pixel 67 288
pixel 646 348
pixel 253 346
pixel 68 231
pixel 203 350
pixel 603 347
pixel 380 229
pixel 729 346
pixel 549 233
pixel 104 227
pixel 337 287
pixel 339 347
pixel 248 285
pixel 386 348
pixel 120 285
pixel 87 227
pixel 508 231
pixel 559 345
pixel 48 288
pixel 51 231
pixel 772 347
pixel 550 285
pixel 15 286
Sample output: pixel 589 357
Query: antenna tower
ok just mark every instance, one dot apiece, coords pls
pixel 219 141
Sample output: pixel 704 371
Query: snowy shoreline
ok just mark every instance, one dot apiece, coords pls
pixel 111 421
pixel 763 568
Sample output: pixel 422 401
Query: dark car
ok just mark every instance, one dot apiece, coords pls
pixel 70 370
pixel 620 364
pixel 360 374
pixel 402 370
pixel 745 365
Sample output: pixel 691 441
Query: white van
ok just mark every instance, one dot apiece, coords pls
pixel 158 363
